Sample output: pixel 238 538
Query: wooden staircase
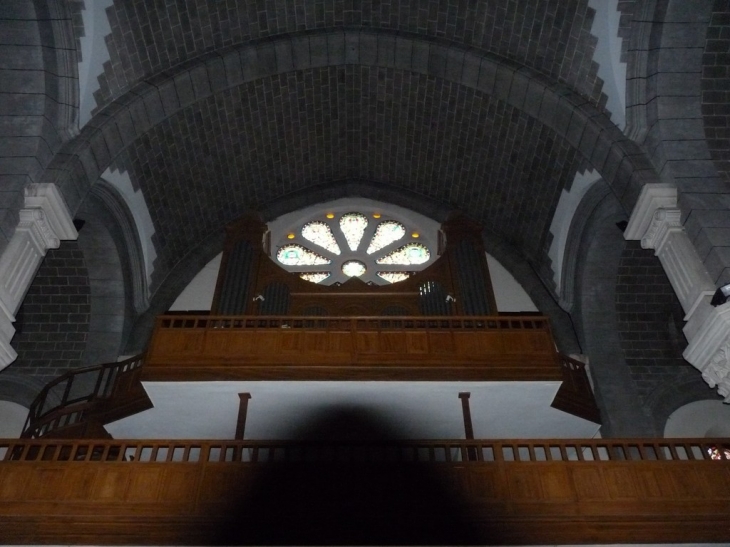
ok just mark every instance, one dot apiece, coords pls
pixel 79 403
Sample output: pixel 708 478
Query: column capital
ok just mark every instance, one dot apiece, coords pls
pixel 652 197
pixel 709 350
pixel 663 222
pixel 47 198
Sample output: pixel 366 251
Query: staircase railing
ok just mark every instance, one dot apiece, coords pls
pixel 395 451
pixel 67 400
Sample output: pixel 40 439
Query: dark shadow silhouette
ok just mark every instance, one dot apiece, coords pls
pixel 349 488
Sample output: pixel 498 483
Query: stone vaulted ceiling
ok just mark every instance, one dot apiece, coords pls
pixel 278 125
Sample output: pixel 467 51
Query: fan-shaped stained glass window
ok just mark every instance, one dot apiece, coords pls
pixel 354 268
pixel 386 233
pixel 321 234
pixel 315 277
pixel 353 227
pixel 296 255
pixel 337 245
pixel 413 253
pixel 394 277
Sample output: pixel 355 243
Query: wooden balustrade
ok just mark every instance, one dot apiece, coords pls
pixel 352 348
pixel 71 403
pixel 244 492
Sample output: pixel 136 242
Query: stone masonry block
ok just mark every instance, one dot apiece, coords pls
pixel 717 262
pixel 576 127
pixel 403 52
pixel 22 81
pixel 318 50
pixel 518 91
pixel 250 64
pixel 667 84
pixel 300 52
pixel 692 129
pixel 684 34
pixel 201 83
pixel 184 87
pixel 697 11
pixel 16 57
pixel 216 74
pixel 100 150
pixel 168 97
pixel 232 64
pixel 352 47
pixel 18 146
pixel 588 140
pixel 679 60
pixel 437 60
pixel 503 82
pixel 267 59
pixel 284 60
pixel 534 97
pixel 336 49
pixel 91 169
pixel 709 238
pixel 153 105
pixel 139 117
pixel 693 168
pixel 454 64
pixel 678 107
pixel 421 56
pixel 470 72
pixel 113 140
pixel 368 48
pixel 386 50
pixel 22 104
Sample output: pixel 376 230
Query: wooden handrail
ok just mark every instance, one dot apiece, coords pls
pixel 417 451
pixel 352 323
pixel 101 380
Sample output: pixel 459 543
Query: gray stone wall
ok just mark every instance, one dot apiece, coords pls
pixel 649 318
pixel 53 321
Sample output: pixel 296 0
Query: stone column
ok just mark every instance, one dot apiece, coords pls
pixel 656 222
pixel 44 221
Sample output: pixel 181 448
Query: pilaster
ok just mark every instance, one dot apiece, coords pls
pixel 44 222
pixel 656 221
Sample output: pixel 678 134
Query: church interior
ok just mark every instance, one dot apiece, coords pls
pixel 364 272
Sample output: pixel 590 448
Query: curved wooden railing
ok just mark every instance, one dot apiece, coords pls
pixel 395 451
pixel 68 400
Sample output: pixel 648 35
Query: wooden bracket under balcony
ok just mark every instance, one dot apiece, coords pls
pixel 191 348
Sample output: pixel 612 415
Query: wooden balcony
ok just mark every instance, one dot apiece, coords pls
pixel 402 492
pixel 351 348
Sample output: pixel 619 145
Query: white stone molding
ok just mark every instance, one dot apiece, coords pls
pixel 663 223
pixel 652 197
pixel 44 221
pixel 49 199
pixel 679 258
pixel 656 221
pixel 709 350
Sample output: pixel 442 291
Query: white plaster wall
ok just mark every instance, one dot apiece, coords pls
pixel 415 410
pixel 141 213
pixel 94 54
pixel 699 419
pixel 12 419
pixel 198 295
pixel 608 56
pixel 508 293
pixel 564 212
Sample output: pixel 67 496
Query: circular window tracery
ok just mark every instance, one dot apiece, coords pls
pixel 336 247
